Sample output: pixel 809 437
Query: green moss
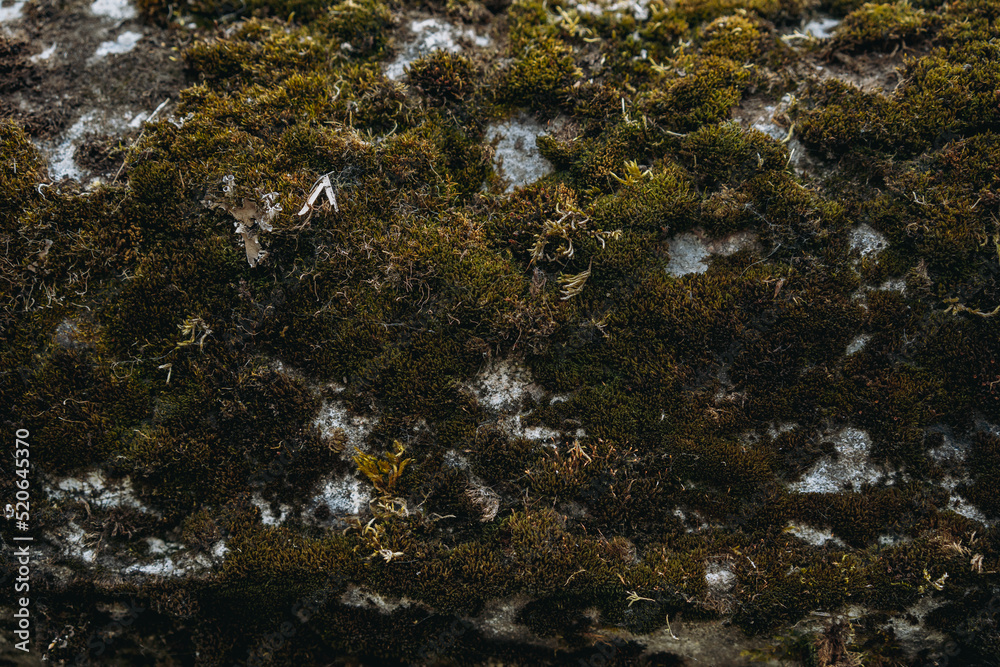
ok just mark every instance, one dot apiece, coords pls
pixel 537 77
pixel 697 11
pixel 945 95
pixel 704 92
pixel 443 75
pixel 882 25
pixel 649 202
pixel 20 171
pixel 85 409
pixel 361 24
pixel 735 37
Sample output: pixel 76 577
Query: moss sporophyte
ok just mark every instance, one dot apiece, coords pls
pixel 730 355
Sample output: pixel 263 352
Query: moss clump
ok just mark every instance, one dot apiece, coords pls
pixel 698 11
pixel 649 202
pixel 443 75
pixel 735 37
pixel 20 172
pixel 704 92
pixel 539 75
pixel 882 25
pixel 361 24
pixel 945 95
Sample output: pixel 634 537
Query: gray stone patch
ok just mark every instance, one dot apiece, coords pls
pixel 851 470
pixel 638 9
pixel 432 35
pixel 857 344
pixel 690 251
pixel 867 241
pixel 821 28
pixel 118 10
pixel 517 158
pixel 813 536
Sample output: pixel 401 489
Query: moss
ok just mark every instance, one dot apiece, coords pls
pixel 945 95
pixel 21 171
pixel 881 25
pixel 706 90
pixel 735 37
pixel 443 75
pixel 697 11
pixel 649 202
pixel 984 457
pixel 538 75
pixel 670 394
pixel 363 25
pixel 85 408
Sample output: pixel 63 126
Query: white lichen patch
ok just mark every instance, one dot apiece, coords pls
pixel 97 492
pixel 11 11
pixel 173 559
pixel 893 285
pixel 637 9
pixel 857 344
pixel 355 596
pixel 75 544
pixel 949 450
pixel 68 334
pixel 821 28
pixel 179 565
pixel 168 559
pixel 867 241
pixel 503 385
pixel 776 429
pixel 343 496
pixel 44 55
pixel 813 536
pixel 124 43
pixel 912 636
pixel 518 430
pixel 690 252
pixel 851 470
pixel 333 415
pixel 960 505
pixel 60 153
pixel 267 515
pixel 119 10
pixel 61 162
pixel 719 577
pixel 137 120
pixel 517 158
pixel 693 520
pixel 432 35
pixel 687 255
pixel 499 621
